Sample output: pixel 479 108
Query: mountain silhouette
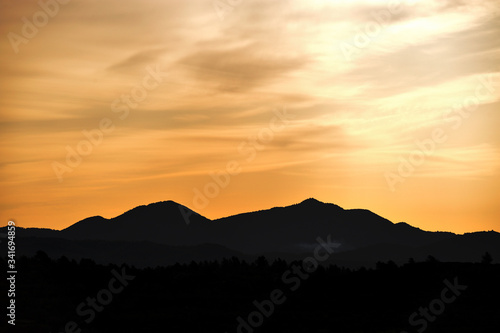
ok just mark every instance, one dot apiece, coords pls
pixel 284 229
pixel 160 222
pixel 360 235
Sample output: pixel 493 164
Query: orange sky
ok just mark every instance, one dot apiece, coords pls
pixel 107 105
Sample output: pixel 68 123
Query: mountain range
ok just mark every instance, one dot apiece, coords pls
pixel 166 232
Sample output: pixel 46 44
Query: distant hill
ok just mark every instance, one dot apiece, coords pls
pixel 138 254
pixel 161 229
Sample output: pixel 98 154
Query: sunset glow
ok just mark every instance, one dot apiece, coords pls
pixel 107 105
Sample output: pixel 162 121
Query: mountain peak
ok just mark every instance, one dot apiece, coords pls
pixel 155 208
pixel 311 201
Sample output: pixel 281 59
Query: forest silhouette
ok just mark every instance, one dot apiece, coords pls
pixel 233 295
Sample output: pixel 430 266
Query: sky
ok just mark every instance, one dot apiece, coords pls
pixel 231 106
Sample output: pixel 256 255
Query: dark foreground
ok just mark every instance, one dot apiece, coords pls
pixel 234 296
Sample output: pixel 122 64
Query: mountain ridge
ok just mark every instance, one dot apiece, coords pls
pixel 167 232
pixel 276 229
